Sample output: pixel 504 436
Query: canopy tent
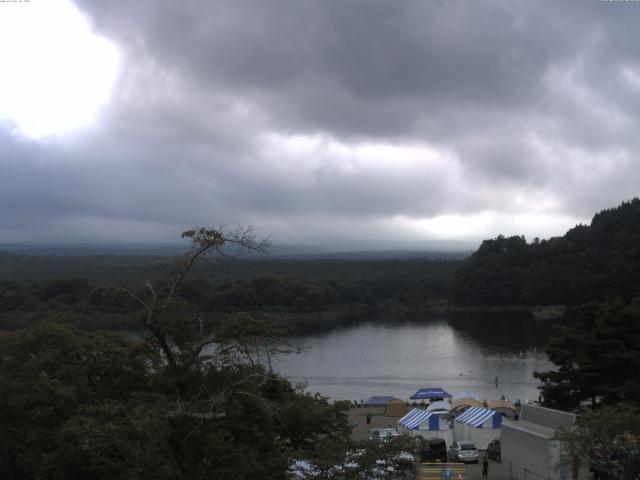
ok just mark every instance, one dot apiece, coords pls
pixel 463 403
pixel 439 405
pixel 430 394
pixel 396 408
pixel 467 394
pixel 477 417
pixel 505 407
pixel 378 400
pixel 478 425
pixel 419 422
pixel 419 418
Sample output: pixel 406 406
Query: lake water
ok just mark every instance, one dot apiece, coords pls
pixel 464 354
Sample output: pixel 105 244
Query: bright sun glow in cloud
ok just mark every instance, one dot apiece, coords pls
pixel 55 73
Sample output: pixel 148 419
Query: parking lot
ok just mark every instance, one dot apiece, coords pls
pixel 497 471
pixel 357 417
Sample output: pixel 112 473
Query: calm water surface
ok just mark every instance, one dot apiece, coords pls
pixel 397 359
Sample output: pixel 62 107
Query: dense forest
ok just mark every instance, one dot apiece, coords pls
pixel 307 295
pixel 589 263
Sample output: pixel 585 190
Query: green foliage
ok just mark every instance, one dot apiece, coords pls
pixel 608 438
pixel 98 405
pixel 76 405
pixel 596 356
pixel 56 379
pixel 588 263
pixel 299 291
pixel 367 460
pixel 179 403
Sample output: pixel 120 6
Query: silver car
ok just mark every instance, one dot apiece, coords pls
pixel 463 452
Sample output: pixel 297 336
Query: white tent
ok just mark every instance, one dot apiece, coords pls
pixel 440 405
pixel 421 423
pixel 478 425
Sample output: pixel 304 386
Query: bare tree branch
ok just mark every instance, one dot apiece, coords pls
pixel 206 243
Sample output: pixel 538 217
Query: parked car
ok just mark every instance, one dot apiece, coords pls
pixel 382 434
pixel 433 450
pixel 463 452
pixel 493 450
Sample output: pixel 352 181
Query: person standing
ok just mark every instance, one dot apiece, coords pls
pixel 446 472
pixel 485 468
pixel 368 418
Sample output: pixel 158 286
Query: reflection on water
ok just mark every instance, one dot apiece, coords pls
pixel 397 359
pixel 508 331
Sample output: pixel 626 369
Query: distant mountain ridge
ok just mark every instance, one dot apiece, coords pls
pixel 94 249
pixel 589 263
pixel 429 249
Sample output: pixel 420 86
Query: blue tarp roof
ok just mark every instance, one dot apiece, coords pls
pixel 417 417
pixel 379 400
pixel 476 416
pixel 429 393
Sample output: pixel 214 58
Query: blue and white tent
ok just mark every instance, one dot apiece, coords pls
pixel 476 417
pixel 419 422
pixel 478 425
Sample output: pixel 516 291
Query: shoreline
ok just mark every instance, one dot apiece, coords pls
pixel 306 323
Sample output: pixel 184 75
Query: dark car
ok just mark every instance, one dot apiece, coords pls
pixel 493 450
pixel 433 450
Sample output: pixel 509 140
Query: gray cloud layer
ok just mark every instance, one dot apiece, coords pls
pixel 360 118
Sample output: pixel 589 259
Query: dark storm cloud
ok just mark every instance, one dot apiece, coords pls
pixel 363 111
pixel 361 67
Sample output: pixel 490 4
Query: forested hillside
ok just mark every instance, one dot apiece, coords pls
pixel 310 295
pixel 589 263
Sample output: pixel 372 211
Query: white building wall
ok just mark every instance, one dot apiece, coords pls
pixel 527 454
pixel 535 457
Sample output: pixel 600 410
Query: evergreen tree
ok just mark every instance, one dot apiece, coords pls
pixel 596 356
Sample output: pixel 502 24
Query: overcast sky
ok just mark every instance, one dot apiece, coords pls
pixel 354 122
